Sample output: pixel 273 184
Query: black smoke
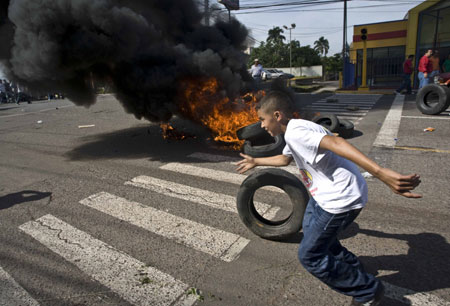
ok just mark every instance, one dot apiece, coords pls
pixel 143 48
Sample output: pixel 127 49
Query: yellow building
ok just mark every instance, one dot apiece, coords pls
pixel 426 26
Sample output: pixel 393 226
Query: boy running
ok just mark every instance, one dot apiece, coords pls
pixel 338 190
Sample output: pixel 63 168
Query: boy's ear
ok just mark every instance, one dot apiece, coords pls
pixel 277 115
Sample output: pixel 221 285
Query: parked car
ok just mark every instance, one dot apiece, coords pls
pixel 285 75
pixel 269 74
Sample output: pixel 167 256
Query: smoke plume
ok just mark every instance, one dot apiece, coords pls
pixel 143 48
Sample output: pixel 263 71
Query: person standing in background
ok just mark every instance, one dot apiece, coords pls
pixel 446 64
pixel 407 71
pixel 256 72
pixel 425 68
pixel 434 59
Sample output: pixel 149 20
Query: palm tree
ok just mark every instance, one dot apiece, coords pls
pixel 322 46
pixel 274 35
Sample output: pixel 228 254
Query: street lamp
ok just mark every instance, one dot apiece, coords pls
pixel 290 46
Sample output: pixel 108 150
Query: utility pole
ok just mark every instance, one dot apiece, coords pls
pixel 290 46
pixel 344 47
pixel 207 12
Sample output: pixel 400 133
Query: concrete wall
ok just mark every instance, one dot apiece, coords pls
pixel 312 71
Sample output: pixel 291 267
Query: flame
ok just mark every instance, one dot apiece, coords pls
pixel 168 132
pixel 202 102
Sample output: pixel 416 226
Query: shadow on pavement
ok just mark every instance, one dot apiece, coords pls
pixel 147 142
pixel 424 268
pixel 20 197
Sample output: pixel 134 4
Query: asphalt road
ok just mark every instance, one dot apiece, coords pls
pixel 79 186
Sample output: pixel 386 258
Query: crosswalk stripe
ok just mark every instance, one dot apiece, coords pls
pixel 345 102
pixel 196 195
pixel 214 157
pixel 220 244
pixel 412 298
pixel 114 269
pixel 339 106
pixel 343 112
pixel 11 293
pixel 216 175
pixel 232 160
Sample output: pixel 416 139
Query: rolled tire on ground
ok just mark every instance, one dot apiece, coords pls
pixel 329 121
pixel 253 130
pixel 271 149
pixel 346 128
pixel 273 230
pixel 433 99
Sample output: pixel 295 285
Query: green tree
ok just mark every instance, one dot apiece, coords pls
pixel 322 46
pixel 333 65
pixel 274 36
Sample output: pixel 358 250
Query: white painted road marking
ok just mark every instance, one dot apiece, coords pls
pixel 339 107
pixel 412 298
pixel 11 293
pixel 211 174
pixel 423 117
pixel 220 244
pixel 196 195
pixel 110 267
pixel 233 160
pixel 215 158
pixel 388 133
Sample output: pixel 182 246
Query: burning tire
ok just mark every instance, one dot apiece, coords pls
pixel 252 131
pixel 433 99
pixel 346 128
pixel 328 121
pixel 253 148
pixel 274 230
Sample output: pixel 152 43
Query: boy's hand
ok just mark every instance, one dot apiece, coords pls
pixel 246 164
pixel 400 184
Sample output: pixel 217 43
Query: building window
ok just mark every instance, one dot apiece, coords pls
pixel 384 66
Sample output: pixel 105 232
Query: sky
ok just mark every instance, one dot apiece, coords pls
pixel 324 20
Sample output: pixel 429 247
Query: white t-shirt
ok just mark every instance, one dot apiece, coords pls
pixel 333 181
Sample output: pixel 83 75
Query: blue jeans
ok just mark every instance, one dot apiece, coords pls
pixel 323 256
pixel 422 80
pixel 406 83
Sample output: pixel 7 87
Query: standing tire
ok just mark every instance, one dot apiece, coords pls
pixel 271 149
pixel 328 121
pixel 346 128
pixel 253 130
pixel 433 99
pixel 273 230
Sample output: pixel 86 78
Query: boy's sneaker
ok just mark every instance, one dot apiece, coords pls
pixel 375 301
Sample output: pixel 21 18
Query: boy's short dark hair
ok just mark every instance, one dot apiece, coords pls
pixel 274 101
pixel 411 56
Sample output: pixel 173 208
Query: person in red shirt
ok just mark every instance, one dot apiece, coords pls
pixel 425 67
pixel 434 59
pixel 407 71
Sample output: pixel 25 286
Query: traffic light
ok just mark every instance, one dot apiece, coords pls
pixel 363 33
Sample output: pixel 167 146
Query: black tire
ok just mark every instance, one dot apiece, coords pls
pixel 346 128
pixel 433 99
pixel 329 121
pixel 271 149
pixel 273 230
pixel 253 130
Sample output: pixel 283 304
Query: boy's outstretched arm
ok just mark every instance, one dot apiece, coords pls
pixel 250 162
pixel 400 184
